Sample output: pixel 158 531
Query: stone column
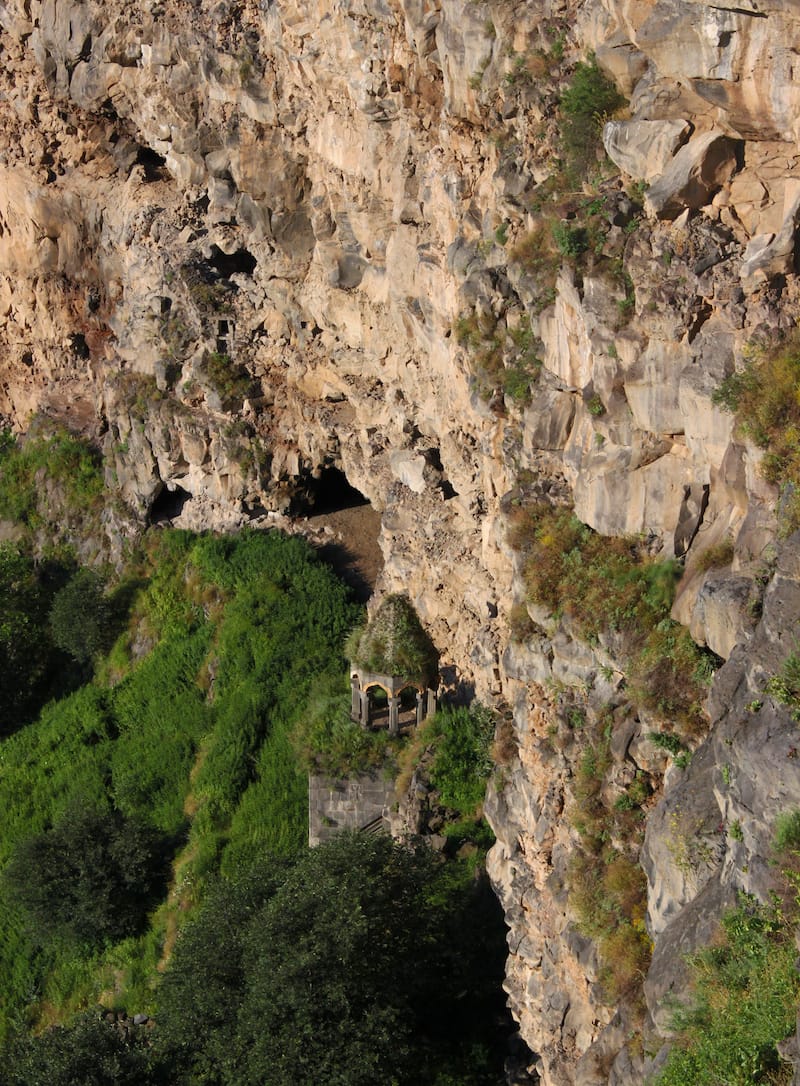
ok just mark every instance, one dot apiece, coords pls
pixel 394 716
pixel 431 703
pixel 364 717
pixel 355 699
pixel 420 707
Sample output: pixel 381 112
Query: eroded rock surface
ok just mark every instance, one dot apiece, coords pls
pixel 241 244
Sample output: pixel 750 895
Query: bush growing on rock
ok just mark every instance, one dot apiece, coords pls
pixel 609 590
pixel 746 990
pixel 53 476
pixel 585 104
pixel 763 396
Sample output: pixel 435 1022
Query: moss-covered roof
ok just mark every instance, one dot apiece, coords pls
pixel 394 643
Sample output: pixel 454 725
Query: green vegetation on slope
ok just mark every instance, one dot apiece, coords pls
pixel 765 398
pixel 192 740
pixel 612 592
pixel 154 856
pixel 745 987
pixel 54 480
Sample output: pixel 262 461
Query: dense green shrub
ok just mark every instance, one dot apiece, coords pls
pixel 785 686
pixel 91 1052
pixel 81 616
pixel 91 878
pixel 328 741
pixel 746 992
pixel 31 669
pixel 231 382
pixel 364 962
pixel 53 475
pixel 462 759
pixel 585 105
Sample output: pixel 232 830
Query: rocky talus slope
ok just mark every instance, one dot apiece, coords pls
pixel 243 243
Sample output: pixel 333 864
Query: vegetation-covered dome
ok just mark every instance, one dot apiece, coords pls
pixel 394 643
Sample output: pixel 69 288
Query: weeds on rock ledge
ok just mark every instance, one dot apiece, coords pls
pixel 606 886
pixel 500 357
pixel 746 986
pixel 765 398
pixel 611 591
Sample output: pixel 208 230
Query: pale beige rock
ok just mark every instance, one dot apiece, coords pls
pixel 770 255
pixel 652 387
pixel 692 177
pixel 358 162
pixel 643 149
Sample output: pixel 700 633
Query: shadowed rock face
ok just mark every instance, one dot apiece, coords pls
pixel 234 247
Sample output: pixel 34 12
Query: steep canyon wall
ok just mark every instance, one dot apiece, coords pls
pixel 244 242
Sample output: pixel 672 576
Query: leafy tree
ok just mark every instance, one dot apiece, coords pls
pixel 91 1052
pixel 351 969
pixel 28 660
pixel 81 617
pixel 90 878
pixel 202 990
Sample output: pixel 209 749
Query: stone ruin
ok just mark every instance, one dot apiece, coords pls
pixel 393 658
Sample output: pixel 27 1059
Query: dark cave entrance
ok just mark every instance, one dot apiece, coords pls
pixel 153 164
pixel 331 503
pixel 330 493
pixel 168 504
pixel 227 264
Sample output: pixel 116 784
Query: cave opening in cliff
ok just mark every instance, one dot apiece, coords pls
pixel 80 347
pixel 153 164
pixel 168 504
pixel 329 493
pixel 225 265
pixel 351 527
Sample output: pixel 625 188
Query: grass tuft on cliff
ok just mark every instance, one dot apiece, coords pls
pixel 53 480
pixel 611 591
pixel 745 987
pixel 764 396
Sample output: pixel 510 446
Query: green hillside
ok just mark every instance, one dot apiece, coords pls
pixel 153 845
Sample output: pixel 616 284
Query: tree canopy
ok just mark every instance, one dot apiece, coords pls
pixel 345 970
pixel 90 878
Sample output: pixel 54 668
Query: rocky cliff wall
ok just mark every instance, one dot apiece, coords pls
pixel 241 243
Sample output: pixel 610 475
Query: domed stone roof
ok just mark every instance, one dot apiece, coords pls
pixel 394 643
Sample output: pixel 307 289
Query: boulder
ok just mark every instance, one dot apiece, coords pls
pixel 696 172
pixel 644 149
pixel 719 618
pixel 770 255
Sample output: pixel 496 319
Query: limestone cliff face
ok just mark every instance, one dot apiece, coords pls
pixel 235 242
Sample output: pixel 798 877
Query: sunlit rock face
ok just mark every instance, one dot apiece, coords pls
pixel 242 244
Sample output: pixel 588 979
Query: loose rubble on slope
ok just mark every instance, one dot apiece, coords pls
pixel 242 244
